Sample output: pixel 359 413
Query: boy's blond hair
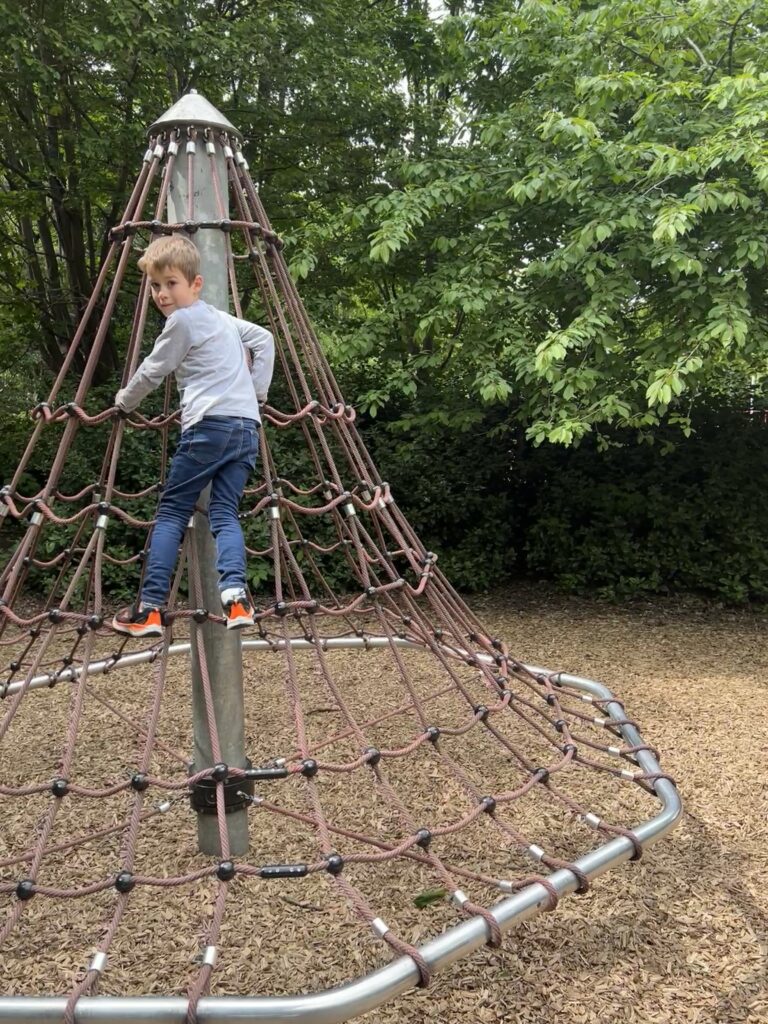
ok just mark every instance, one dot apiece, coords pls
pixel 175 251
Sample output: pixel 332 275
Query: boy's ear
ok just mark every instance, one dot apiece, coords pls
pixel 198 282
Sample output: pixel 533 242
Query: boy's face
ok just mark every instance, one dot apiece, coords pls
pixel 171 290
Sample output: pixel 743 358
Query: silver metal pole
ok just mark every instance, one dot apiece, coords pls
pixel 223 652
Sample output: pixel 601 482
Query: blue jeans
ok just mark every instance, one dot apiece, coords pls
pixel 220 451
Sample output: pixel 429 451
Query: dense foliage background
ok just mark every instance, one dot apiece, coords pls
pixel 532 236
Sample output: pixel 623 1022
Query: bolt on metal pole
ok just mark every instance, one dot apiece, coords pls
pixel 223 651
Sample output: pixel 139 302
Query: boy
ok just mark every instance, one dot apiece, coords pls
pixel 219 441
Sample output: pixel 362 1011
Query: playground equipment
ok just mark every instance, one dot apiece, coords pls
pixel 369 746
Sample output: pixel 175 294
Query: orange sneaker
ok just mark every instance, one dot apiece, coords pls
pixel 239 611
pixel 134 622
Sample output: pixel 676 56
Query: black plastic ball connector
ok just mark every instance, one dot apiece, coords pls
pixel 550 699
pixel 482 712
pixel 220 772
pixel 542 774
pixel 104 508
pixel 560 724
pixel 55 615
pixel 190 227
pixel 125 882
pixel 25 890
pixel 373 756
pixel 70 408
pixel 225 871
pixel 406 620
pixel 423 838
pixel 60 787
pixel 496 644
pixel 432 733
pixel 139 782
pixel 570 746
pixel 281 608
pixel 309 768
pixel 200 614
pixel 95 621
pixel 226 226
pixel 371 591
pixel 15 666
pixel 156 226
pixel 334 864
pixel 488 803
pixel 312 607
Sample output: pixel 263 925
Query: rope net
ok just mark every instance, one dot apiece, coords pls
pixel 394 792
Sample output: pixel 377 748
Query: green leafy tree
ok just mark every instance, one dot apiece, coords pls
pixel 581 234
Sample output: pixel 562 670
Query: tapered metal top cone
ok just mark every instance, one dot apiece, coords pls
pixel 193 109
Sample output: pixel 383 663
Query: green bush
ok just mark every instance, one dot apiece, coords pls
pixel 632 520
pixel 679 515
pixel 456 487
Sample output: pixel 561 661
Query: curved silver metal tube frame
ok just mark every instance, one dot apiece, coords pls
pixel 357 997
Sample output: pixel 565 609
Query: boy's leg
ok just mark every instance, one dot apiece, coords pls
pixel 226 491
pixel 186 480
pixel 190 473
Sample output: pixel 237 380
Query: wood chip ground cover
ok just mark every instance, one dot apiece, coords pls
pixel 677 937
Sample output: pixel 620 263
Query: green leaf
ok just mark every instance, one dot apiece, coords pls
pixel 428 896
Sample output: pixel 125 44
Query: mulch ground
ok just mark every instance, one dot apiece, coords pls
pixel 678 937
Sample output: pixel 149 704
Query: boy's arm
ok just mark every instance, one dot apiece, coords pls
pixel 170 347
pixel 262 347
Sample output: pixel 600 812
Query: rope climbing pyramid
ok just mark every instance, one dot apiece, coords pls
pixel 354 792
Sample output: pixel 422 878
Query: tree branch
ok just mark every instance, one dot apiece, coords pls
pixel 704 62
pixel 642 56
pixel 732 37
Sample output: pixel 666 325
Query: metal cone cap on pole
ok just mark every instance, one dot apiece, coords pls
pixel 195 110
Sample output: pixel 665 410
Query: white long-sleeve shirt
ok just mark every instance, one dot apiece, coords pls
pixel 205 348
